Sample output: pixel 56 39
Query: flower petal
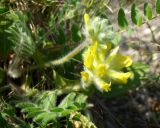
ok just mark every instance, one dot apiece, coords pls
pixel 119 77
pixel 102 85
pixel 89 55
pixel 101 70
pixel 88 60
pixel 85 76
pixel 120 61
pixel 112 55
pixel 87 23
pixel 103 49
pixel 86 19
pixel 106 87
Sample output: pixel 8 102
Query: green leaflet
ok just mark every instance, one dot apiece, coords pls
pixel 67 101
pixel 3 10
pixel 122 21
pixel 135 15
pixel 148 11
pixel 43 109
pixel 5 43
pixel 158 6
pixel 20 35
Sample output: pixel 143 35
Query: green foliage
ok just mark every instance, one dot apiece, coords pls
pixel 148 11
pixel 20 35
pixel 44 109
pixel 2 10
pixel 136 16
pixel 8 118
pixel 158 6
pixel 76 36
pixel 122 21
pixel 5 23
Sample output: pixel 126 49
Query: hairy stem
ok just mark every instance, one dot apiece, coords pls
pixel 60 60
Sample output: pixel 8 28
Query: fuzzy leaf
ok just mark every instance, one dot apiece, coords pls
pixel 67 101
pixel 81 98
pixel 43 107
pixel 56 109
pixel 67 112
pixel 21 36
pixel 34 113
pixel 45 117
pixel 31 109
pixel 50 100
pixel 26 105
pixel 46 99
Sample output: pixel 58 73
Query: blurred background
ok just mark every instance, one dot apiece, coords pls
pixel 33 32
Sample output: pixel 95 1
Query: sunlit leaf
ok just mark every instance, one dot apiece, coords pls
pixel 148 11
pixel 67 101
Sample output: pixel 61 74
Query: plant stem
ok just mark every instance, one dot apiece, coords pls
pixel 60 60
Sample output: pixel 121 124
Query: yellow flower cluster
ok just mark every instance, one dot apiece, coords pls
pixel 103 65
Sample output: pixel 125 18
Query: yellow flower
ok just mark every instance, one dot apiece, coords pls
pixel 85 76
pixel 103 66
pixel 118 61
pixel 102 85
pixel 87 22
pixel 101 70
pixel 88 61
pixel 106 87
pixel 89 56
pixel 120 77
pixel 103 49
pixel 98 29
